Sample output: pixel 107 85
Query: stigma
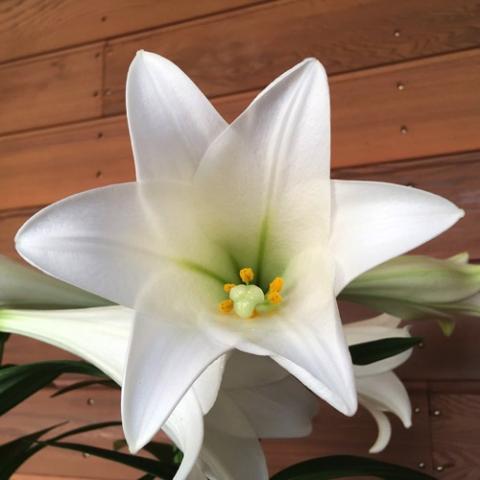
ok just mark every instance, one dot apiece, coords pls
pixel 247 299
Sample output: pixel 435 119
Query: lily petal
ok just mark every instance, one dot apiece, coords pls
pixel 373 222
pixel 208 383
pixel 110 241
pixel 98 335
pixel 185 427
pixel 265 179
pixel 220 452
pixel 22 287
pixel 313 349
pixel 282 409
pixel 384 427
pixel 171 121
pixel 385 392
pixel 245 370
pixel 165 358
pixel 377 328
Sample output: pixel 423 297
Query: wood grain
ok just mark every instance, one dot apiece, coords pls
pixel 41 167
pixel 439 108
pixel 26 25
pixel 245 49
pixel 456 435
pixel 52 89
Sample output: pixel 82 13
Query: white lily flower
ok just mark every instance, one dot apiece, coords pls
pixel 211 199
pixel 267 403
pixel 379 389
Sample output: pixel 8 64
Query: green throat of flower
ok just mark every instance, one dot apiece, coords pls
pixel 248 300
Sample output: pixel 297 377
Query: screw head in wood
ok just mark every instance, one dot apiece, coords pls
pixel 439 468
pixel 416 410
pixel 396 33
pixel 421 464
pixel 436 413
pixel 403 130
pixel 400 86
pixel 90 401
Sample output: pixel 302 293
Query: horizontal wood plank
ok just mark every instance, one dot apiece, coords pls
pixel 26 25
pixel 41 167
pixel 245 49
pixel 456 435
pixel 438 108
pixel 52 89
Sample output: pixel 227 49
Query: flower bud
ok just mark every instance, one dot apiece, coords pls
pixel 414 286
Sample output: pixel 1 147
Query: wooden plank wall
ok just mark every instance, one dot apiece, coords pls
pixel 404 79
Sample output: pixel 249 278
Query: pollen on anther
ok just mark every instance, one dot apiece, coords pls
pixel 247 275
pixel 228 286
pixel 226 306
pixel 276 284
pixel 274 297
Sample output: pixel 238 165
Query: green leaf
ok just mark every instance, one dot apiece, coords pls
pixel 86 428
pixel 161 451
pixel 84 384
pixel 342 466
pixel 376 350
pixel 19 382
pixel 153 467
pixel 15 453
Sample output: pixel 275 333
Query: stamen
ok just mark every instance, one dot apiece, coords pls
pixel 274 298
pixel 226 306
pixel 276 284
pixel 227 287
pixel 247 275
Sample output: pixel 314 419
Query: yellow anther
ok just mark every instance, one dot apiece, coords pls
pixel 226 306
pixel 228 286
pixel 274 298
pixel 276 284
pixel 247 275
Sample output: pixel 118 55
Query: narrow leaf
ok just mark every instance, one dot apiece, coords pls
pixel 346 466
pixel 376 350
pixel 84 384
pixel 153 467
pixel 15 453
pixel 19 382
